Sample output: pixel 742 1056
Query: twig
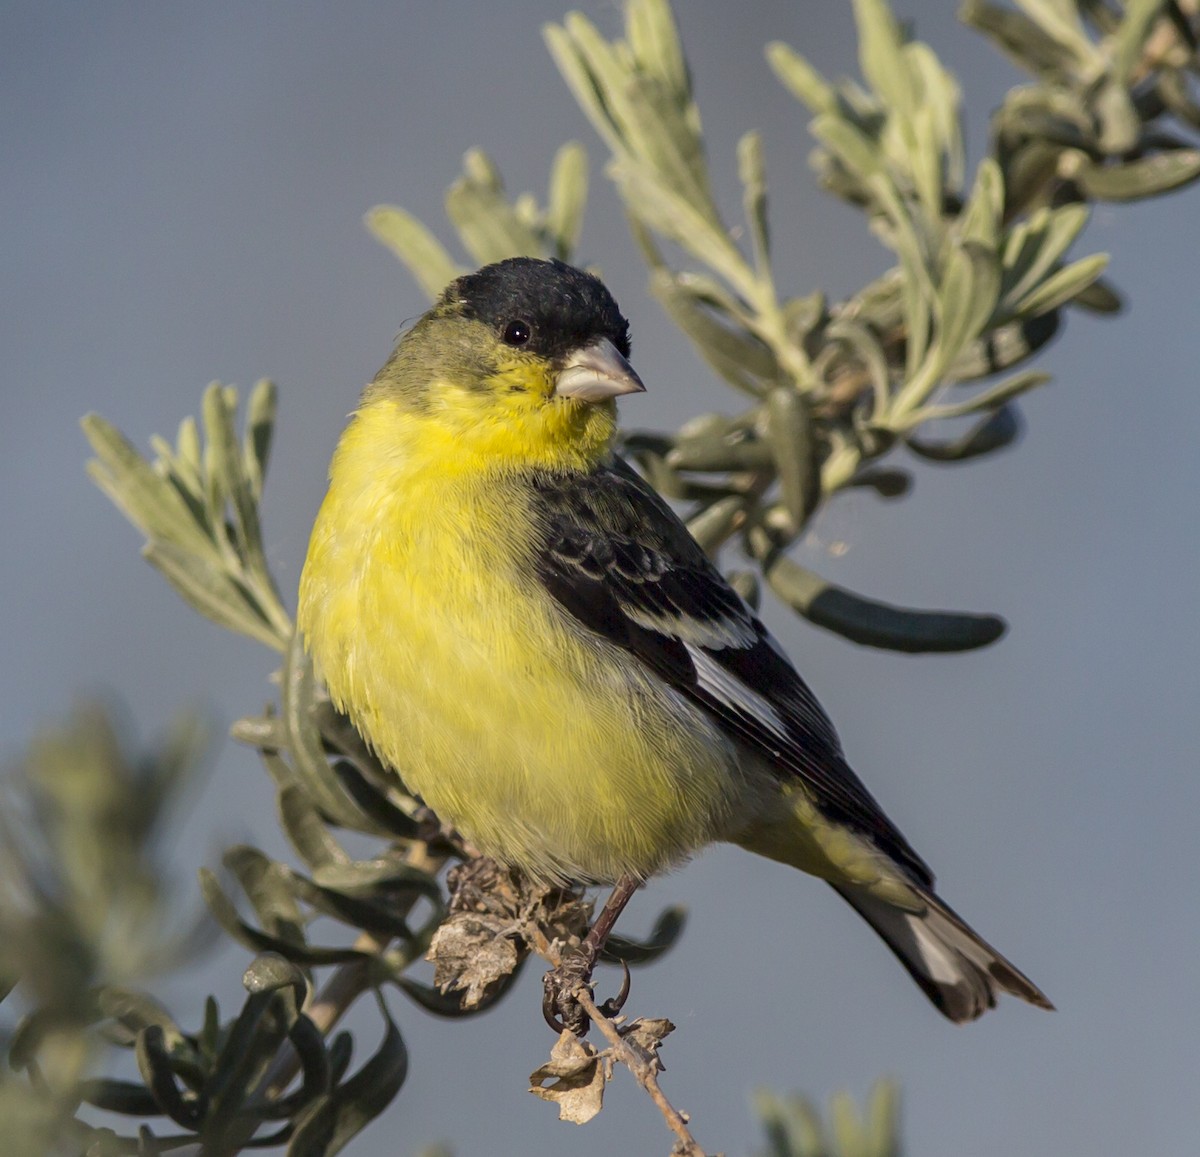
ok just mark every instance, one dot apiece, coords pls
pixel 645 1072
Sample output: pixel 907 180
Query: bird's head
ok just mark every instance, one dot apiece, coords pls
pixel 517 364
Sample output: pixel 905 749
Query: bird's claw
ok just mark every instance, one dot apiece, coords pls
pixel 613 1005
pixel 562 1009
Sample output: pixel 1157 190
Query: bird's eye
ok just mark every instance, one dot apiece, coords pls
pixel 517 332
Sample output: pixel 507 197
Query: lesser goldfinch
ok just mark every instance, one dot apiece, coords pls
pixel 522 628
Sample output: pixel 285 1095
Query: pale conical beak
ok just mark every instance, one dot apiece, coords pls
pixel 596 372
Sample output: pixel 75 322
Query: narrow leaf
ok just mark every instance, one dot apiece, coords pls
pixel 423 254
pixel 567 198
pixel 800 78
pixel 876 624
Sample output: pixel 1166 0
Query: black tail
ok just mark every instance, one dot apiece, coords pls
pixel 960 972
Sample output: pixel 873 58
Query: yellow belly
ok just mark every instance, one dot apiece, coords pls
pixel 547 748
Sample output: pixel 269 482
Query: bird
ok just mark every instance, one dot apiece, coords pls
pixel 526 633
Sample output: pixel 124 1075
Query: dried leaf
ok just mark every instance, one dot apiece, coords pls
pixel 577 1076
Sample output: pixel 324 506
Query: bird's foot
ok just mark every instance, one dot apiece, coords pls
pixel 560 1004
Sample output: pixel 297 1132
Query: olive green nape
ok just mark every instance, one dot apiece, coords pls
pixel 441 346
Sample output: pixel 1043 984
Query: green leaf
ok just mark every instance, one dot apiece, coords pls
pixel 1147 177
pixel 225 913
pixel 219 409
pixel 989 399
pixel 302 824
pixel 268 887
pixel 966 297
pixel 337 1118
pixel 793 446
pixel 741 359
pixel 663 936
pixel 141 494
pixel 982 218
pixel 800 78
pixel 298 696
pixel 654 39
pixel 260 425
pixel 1059 19
pixel 487 225
pixel 271 972
pixel 713 526
pixel 154 1065
pixel 852 147
pixel 422 253
pixel 567 198
pixel 1062 286
pixel 202 583
pixel 1130 37
pixel 1034 247
pixel 876 624
pixel 1019 37
pixel 881 56
pixel 752 172
pixel 997 430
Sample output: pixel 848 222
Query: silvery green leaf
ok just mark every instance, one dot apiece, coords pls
pixel 1060 20
pixel 883 1120
pixel 982 218
pixel 941 96
pixel 337 1118
pixel 584 60
pixel 269 972
pixel 800 78
pixel 201 582
pixel 154 1065
pixel 997 430
pixel 302 825
pixel 1130 37
pixel 669 213
pixel 654 39
pixel 1062 286
pixel 1099 297
pixel 740 359
pixel 1021 39
pixel 865 347
pixel 713 526
pixel 141 494
pixel 1036 246
pixel 225 912
pixel 218 408
pixel 487 225
pixel 1003 346
pixel 267 886
pixel 858 152
pixel 752 173
pixel 876 624
pixel 567 198
pixel 297 698
pixel 791 438
pixel 423 254
pixel 1120 124
pixel 881 56
pixel 966 297
pixel 1147 177
pixel 988 399
pixel 886 481
pixel 260 425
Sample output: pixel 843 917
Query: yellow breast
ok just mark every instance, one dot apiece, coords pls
pixel 547 747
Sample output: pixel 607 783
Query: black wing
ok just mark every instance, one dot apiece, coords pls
pixel 619 560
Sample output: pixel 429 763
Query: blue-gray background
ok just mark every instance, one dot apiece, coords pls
pixel 181 197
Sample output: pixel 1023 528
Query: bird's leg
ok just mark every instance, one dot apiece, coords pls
pixel 559 1005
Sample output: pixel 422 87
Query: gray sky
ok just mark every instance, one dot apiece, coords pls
pixel 182 193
